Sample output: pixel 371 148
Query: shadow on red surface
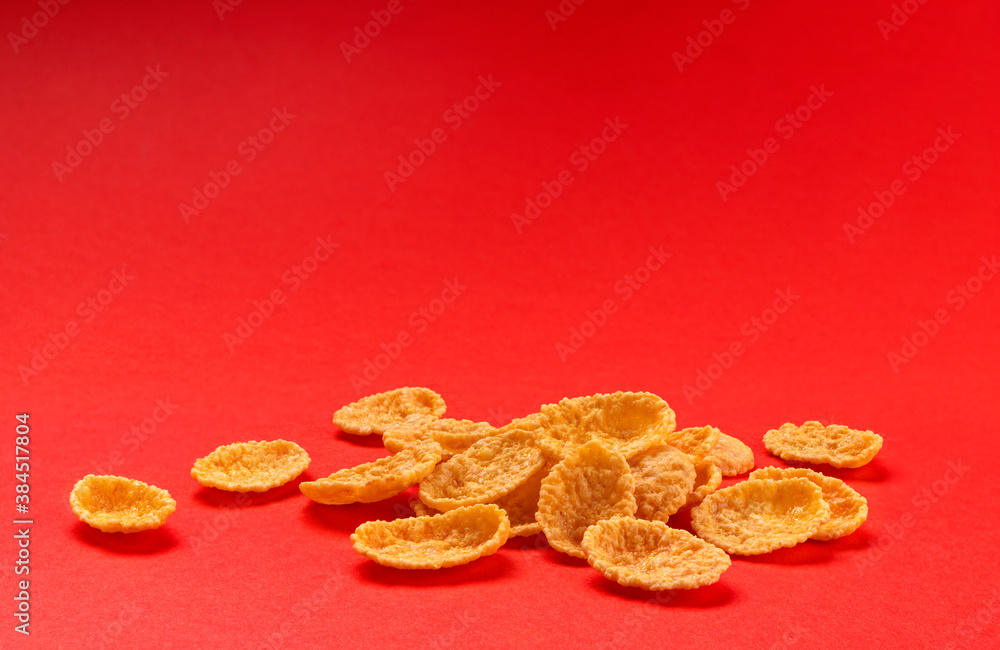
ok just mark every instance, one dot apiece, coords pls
pixel 147 542
pixel 222 499
pixel 715 595
pixel 494 567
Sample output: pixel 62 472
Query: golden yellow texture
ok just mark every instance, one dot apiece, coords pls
pixel 731 455
pixel 664 477
pixel 454 436
pixel 374 413
pixel 848 509
pixel 115 504
pixel 697 442
pixel 707 480
pixel 812 442
pixel 254 466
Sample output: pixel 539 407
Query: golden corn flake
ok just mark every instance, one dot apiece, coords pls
pixel 835 445
pixel 628 423
pixel 378 480
pixel 707 480
pixel 848 509
pixel 421 510
pixel 731 456
pixel 454 436
pixel 521 504
pixel 761 515
pixel 652 555
pixel 486 471
pixel 664 476
pixel 373 414
pixel 594 483
pixel 456 537
pixel 115 504
pixel 251 466
pixel 697 442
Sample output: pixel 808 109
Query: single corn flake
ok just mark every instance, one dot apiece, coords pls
pixel 489 469
pixel 594 483
pixel 454 436
pixel 835 444
pixel 697 442
pixel 761 515
pixel 731 455
pixel 450 539
pixel 251 466
pixel 628 423
pixel 375 413
pixel 707 480
pixel 664 477
pixel 848 509
pixel 115 504
pixel 378 480
pixel 521 504
pixel 652 555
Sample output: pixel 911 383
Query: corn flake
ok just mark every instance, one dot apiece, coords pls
pixel 375 413
pixel 835 444
pixel 761 515
pixel 115 504
pixel 251 466
pixel 454 436
pixel 697 442
pixel 378 480
pixel 707 480
pixel 521 504
pixel 731 455
pixel 848 509
pixel 594 483
pixel 664 476
pixel 486 471
pixel 652 555
pixel 450 539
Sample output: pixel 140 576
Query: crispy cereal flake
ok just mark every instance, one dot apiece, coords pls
pixel 594 483
pixel 456 537
pixel 761 515
pixel 707 480
pixel 420 510
pixel 848 509
pixel 378 480
pixel 521 504
pixel 115 504
pixel 486 471
pixel 835 444
pixel 697 442
pixel 664 476
pixel 731 456
pixel 652 555
pixel 251 466
pixel 454 436
pixel 373 414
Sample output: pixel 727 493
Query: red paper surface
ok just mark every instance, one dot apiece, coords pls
pixel 569 302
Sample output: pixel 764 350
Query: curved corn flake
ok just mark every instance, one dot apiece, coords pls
pixel 115 504
pixel 251 466
pixel 594 483
pixel 449 539
pixel 696 442
pixel 378 480
pixel 835 444
pixel 652 555
pixel 454 436
pixel 848 509
pixel 731 455
pixel 761 515
pixel 486 471
pixel 421 510
pixel 664 477
pixel 628 423
pixel 521 504
pixel 373 414
pixel 707 480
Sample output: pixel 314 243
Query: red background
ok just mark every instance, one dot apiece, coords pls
pixel 280 571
